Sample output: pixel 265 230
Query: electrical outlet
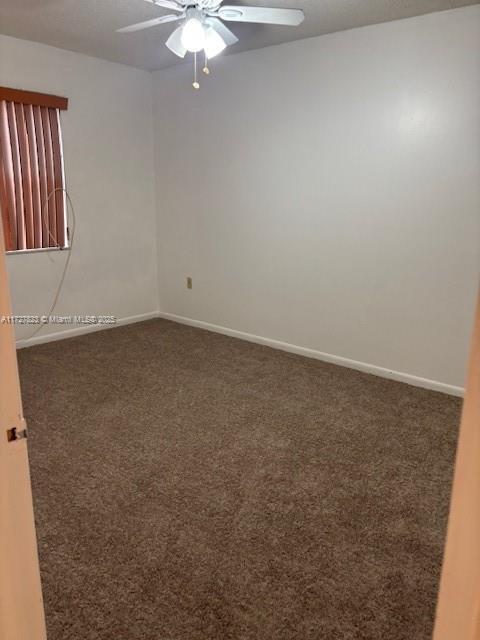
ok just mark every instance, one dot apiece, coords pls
pixel 189 283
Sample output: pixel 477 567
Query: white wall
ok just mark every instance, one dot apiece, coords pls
pixel 108 150
pixel 326 193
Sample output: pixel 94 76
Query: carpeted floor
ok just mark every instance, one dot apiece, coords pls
pixel 191 486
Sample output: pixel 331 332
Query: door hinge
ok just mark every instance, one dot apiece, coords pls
pixel 16 434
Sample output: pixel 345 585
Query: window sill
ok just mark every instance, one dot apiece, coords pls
pixel 42 250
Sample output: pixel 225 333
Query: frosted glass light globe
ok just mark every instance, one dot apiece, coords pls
pixel 214 43
pixel 193 35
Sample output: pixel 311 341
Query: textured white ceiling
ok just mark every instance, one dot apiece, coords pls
pixel 88 26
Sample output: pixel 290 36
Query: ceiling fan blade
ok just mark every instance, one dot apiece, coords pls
pixel 174 43
pixel 149 23
pixel 168 4
pixel 223 31
pixel 265 15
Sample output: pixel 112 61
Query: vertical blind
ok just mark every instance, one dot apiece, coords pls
pixel 31 170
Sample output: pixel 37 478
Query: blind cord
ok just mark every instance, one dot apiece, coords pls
pixel 69 255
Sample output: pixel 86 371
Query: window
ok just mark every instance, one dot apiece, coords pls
pixel 32 199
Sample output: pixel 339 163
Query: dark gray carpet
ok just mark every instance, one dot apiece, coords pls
pixel 191 486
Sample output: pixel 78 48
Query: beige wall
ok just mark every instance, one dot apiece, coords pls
pixel 108 149
pixel 326 193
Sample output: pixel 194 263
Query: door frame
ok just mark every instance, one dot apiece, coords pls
pixel 458 608
pixel 21 604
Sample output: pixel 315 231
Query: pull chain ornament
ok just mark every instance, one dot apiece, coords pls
pixel 206 70
pixel 195 84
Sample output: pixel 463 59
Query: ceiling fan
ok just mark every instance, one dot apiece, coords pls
pixel 202 27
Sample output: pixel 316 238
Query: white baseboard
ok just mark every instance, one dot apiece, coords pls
pixel 416 381
pixel 78 331
pixel 425 383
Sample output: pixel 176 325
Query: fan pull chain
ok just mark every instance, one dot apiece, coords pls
pixel 196 84
pixel 206 70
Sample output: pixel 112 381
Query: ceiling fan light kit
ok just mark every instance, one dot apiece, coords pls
pixel 202 28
